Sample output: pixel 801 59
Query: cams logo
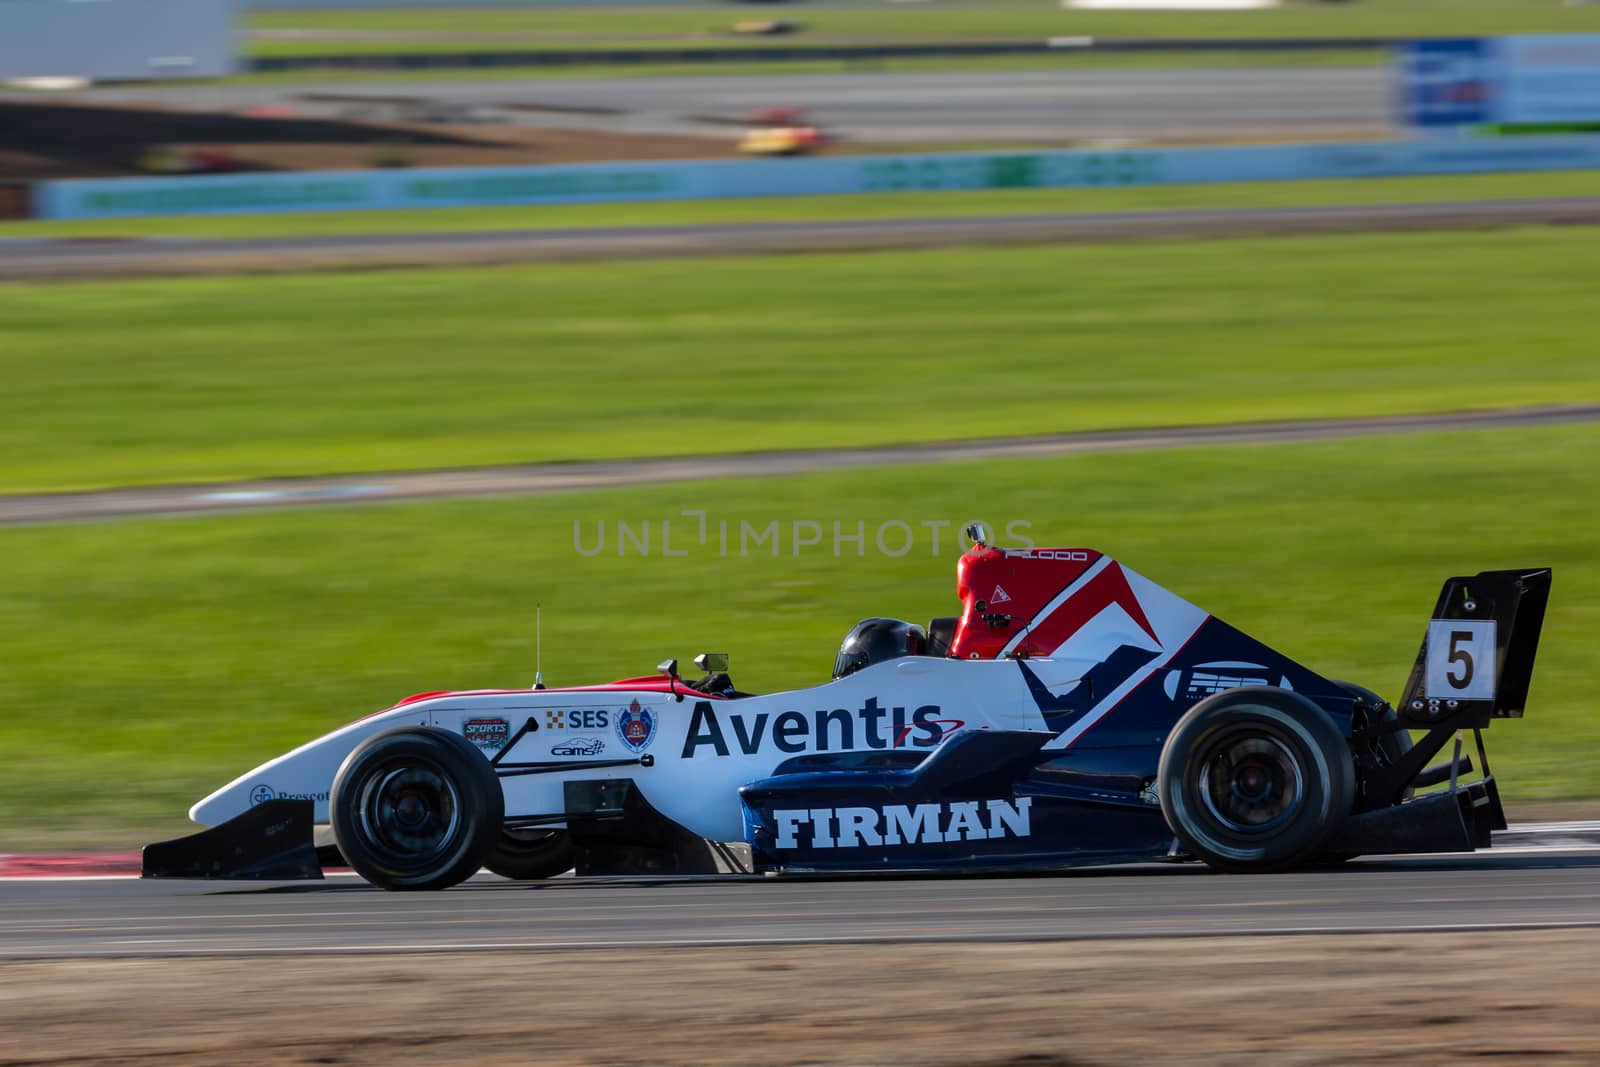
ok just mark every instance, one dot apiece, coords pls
pixel 1207 679
pixel 636 726
pixel 831 730
pixel 578 746
pixel 902 824
pixel 490 735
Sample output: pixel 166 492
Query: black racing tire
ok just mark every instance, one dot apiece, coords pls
pixel 1391 747
pixel 531 854
pixel 1255 779
pixel 416 808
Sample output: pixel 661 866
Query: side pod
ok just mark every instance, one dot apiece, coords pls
pixel 270 842
pixel 616 831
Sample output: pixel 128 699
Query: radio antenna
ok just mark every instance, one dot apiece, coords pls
pixel 538 645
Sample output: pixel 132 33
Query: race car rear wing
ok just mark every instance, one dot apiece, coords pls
pixel 1474 666
pixel 1477 656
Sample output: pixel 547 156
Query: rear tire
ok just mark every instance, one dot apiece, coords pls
pixel 416 809
pixel 529 855
pixel 1390 747
pixel 1255 779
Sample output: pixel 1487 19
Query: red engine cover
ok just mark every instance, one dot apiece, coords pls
pixel 1019 587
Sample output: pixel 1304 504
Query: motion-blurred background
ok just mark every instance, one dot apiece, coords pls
pixel 245 250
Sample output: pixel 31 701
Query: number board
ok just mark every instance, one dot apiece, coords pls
pixel 1461 660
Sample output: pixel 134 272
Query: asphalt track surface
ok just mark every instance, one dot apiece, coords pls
pixel 986 107
pixel 47 258
pixel 535 479
pixel 126 917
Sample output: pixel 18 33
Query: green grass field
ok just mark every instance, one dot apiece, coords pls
pixel 652 28
pixel 202 378
pixel 148 661
pixel 843 207
pixel 709 23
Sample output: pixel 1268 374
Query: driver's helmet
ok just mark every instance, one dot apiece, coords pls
pixel 875 640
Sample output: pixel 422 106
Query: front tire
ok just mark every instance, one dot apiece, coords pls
pixel 1255 779
pixel 416 809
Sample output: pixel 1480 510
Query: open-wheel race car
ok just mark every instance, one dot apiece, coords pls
pixel 1074 713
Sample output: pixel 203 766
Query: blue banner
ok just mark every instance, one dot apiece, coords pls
pixel 239 194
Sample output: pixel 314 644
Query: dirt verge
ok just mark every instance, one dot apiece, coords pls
pixel 71 140
pixel 1421 999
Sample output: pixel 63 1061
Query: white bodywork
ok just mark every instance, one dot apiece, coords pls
pixel 690 780
pixel 702 750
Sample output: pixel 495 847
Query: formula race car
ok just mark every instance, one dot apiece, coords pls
pixel 1074 713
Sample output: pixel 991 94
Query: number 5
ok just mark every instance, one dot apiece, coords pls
pixel 1460 657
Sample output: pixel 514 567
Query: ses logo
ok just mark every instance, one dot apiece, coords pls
pixel 1207 679
pixel 576 718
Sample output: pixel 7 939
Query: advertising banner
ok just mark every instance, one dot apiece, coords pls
pixel 1533 80
pixel 1553 78
pixel 240 194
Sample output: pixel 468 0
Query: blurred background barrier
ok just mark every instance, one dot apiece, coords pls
pixel 594 183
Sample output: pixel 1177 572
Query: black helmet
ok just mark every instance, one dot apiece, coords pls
pixel 875 640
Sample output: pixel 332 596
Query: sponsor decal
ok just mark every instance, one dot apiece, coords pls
pixel 578 746
pixel 872 725
pixel 263 793
pixel 1201 680
pixel 637 726
pixel 902 824
pixel 1103 679
pixel 1072 555
pixel 576 718
pixel 1000 596
pixel 490 735
pixel 944 726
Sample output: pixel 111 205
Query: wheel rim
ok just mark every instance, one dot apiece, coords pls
pixel 1251 783
pixel 410 812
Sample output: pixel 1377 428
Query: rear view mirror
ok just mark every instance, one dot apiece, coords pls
pixel 712 662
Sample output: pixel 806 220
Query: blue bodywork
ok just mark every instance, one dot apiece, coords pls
pixel 1000 799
